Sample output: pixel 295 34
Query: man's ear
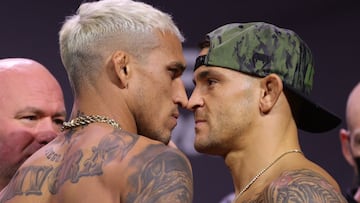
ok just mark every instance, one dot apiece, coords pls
pixel 344 136
pixel 272 87
pixel 121 68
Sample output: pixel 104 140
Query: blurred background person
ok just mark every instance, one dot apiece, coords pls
pixel 32 112
pixel 350 141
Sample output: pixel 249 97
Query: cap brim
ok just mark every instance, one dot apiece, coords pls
pixel 308 115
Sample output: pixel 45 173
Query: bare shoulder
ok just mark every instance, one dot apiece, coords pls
pixel 163 174
pixel 300 186
pixel 121 165
pixel 68 161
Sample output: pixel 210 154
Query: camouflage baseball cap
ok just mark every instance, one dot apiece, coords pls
pixel 259 49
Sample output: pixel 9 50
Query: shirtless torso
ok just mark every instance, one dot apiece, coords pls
pixel 96 164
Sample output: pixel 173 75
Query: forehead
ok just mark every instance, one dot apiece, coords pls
pixel 169 49
pixel 20 78
pixel 28 88
pixel 220 74
pixel 353 109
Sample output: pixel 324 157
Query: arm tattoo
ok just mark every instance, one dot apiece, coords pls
pixel 30 179
pixel 166 177
pixel 302 186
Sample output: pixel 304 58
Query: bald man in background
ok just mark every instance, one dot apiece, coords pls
pixel 32 112
pixel 350 144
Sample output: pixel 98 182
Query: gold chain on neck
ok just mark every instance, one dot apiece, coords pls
pixel 85 120
pixel 263 171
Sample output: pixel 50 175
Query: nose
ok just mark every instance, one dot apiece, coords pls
pixel 180 96
pixel 195 101
pixel 46 131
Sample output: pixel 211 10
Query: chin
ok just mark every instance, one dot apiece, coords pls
pixel 206 148
pixel 164 138
pixel 201 148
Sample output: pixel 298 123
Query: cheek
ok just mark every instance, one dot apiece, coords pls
pixel 15 137
pixel 14 146
pixel 236 114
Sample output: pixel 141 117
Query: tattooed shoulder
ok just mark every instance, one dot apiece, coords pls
pixel 300 186
pixel 164 175
pixel 38 177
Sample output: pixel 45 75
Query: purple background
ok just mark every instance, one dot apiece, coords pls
pixel 330 28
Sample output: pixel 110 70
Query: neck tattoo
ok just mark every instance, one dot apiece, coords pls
pixel 263 171
pixel 85 120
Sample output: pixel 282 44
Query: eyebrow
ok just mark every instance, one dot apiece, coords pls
pixel 201 75
pixel 178 65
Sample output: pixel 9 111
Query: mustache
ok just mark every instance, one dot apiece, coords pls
pixel 199 114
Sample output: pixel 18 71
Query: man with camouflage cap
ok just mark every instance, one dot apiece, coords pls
pixel 251 86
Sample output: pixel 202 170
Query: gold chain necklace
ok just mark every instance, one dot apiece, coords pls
pixel 263 171
pixel 85 120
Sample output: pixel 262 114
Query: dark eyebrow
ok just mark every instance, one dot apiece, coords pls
pixel 178 65
pixel 201 75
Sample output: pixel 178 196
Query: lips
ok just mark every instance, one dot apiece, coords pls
pixel 199 120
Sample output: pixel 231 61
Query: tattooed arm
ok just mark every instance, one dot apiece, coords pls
pixel 303 186
pixel 164 175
